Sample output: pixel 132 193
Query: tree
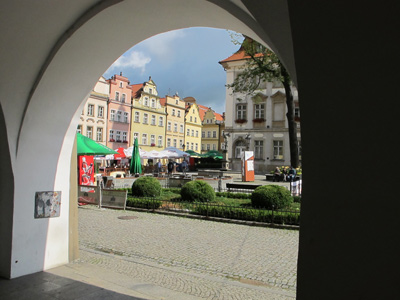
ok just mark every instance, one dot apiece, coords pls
pixel 263 65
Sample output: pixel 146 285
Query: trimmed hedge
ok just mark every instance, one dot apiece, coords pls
pixel 146 203
pixel 197 191
pixel 271 196
pixel 248 214
pixel 234 195
pixel 146 187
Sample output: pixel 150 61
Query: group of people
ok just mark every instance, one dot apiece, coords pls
pixel 287 174
pixel 171 166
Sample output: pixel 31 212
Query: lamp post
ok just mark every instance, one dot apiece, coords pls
pixel 247 138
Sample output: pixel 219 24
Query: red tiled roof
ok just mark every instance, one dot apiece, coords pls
pixel 163 101
pixel 238 56
pixel 136 89
pixel 202 111
pixel 218 116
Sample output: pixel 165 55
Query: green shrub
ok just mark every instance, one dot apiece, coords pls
pixel 271 196
pixel 146 187
pixel 197 191
pixel 146 203
pixel 297 199
pixel 234 195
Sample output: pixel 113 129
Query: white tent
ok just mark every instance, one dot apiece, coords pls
pixel 173 152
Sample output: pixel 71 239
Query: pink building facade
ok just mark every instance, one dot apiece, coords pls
pixel 119 110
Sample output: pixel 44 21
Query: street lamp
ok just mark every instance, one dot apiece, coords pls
pixel 247 138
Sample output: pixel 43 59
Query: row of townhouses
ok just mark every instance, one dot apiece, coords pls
pixel 117 112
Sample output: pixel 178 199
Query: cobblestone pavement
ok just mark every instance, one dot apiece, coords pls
pixel 204 259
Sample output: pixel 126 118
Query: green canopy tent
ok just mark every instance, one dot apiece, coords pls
pixel 136 165
pixel 87 146
pixel 194 154
pixel 214 154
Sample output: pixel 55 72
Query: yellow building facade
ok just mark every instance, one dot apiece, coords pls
pixel 175 121
pixel 211 134
pixel 148 117
pixel 193 127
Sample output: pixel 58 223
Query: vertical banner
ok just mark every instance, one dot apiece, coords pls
pixel 86 169
pixel 248 166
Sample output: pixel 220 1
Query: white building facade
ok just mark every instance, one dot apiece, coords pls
pixel 257 122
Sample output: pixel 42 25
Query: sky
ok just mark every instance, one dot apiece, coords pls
pixel 181 61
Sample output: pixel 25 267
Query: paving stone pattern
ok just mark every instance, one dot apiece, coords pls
pixel 209 260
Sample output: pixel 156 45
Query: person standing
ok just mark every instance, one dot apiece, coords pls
pixel 170 167
pixel 184 166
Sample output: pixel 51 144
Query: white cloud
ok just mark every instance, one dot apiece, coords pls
pixel 132 59
pixel 162 45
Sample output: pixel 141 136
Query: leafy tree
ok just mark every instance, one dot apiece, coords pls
pixel 263 65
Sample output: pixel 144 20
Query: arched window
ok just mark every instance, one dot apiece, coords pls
pixel 240 146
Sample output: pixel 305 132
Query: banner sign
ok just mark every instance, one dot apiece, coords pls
pixel 86 169
pixel 88 194
pixel 114 198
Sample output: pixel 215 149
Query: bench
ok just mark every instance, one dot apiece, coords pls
pixel 239 186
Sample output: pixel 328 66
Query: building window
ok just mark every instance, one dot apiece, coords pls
pixel 153 103
pixel 195 119
pixel 136 136
pixel 118 136
pixel 145 118
pixel 168 142
pixel 112 115
pixel 208 134
pixel 259 111
pixel 203 134
pixel 175 127
pixel 120 84
pixel 191 146
pixel 197 133
pixel 160 139
pixel 137 117
pixel 214 134
pixel 241 112
pixel 197 147
pixel 188 132
pixel 153 120
pixel 124 136
pixel 175 143
pixel 240 147
pixel 150 91
pixel 173 112
pixel 111 135
pixel 144 139
pixel 181 128
pixel 123 98
pixel 100 112
pixel 179 113
pixel 192 132
pixel 278 149
pixel 208 147
pixel 119 116
pixel 116 96
pixel 152 139
pixel 214 147
pixel 160 121
pixel 180 143
pixel 203 147
pixel 99 134
pixel 146 101
pixel 187 145
pixel 169 126
pixel 90 110
pixel 126 117
pixel 258 149
pixel 191 118
pixel 89 132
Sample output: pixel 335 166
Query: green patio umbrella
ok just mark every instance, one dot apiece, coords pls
pixel 87 146
pixel 136 166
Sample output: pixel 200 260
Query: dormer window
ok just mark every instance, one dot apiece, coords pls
pixel 120 84
pixel 150 91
